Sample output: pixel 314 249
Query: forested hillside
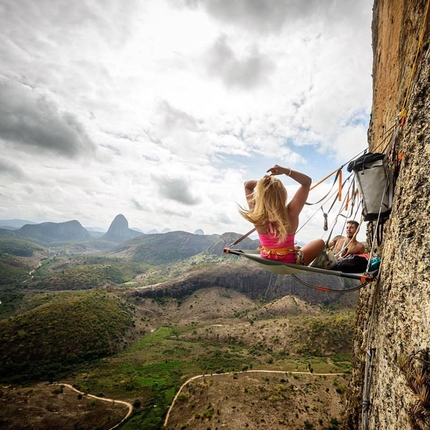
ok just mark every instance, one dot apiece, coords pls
pixel 60 332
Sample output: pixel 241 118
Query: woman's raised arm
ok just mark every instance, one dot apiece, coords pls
pixel 297 202
pixel 249 189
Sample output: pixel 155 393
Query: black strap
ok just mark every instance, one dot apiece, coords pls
pixel 380 231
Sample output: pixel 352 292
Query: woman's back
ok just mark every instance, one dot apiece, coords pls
pixel 271 248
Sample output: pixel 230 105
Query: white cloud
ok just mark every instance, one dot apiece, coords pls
pixel 12 169
pixel 30 119
pixel 160 110
pixel 179 190
pixel 246 72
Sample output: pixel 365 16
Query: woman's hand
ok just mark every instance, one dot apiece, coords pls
pixel 279 170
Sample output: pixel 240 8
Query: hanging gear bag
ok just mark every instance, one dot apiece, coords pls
pixel 376 185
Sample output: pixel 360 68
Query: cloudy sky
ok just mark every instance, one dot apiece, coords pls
pixel 160 109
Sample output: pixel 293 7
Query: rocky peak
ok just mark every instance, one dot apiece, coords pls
pixel 119 231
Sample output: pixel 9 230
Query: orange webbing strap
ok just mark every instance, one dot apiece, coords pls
pixel 276 253
pixel 324 179
pixel 325 289
pixel 338 175
pixel 348 199
pixel 286 249
pixel 351 197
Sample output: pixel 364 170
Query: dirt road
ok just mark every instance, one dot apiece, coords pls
pixel 104 399
pixel 245 371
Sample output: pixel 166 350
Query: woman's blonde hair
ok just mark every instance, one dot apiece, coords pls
pixel 269 205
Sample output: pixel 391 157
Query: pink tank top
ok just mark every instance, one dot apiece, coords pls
pixel 270 241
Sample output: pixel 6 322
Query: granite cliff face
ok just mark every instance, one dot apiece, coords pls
pixel 250 280
pixel 390 386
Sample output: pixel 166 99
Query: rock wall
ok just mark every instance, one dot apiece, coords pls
pixel 390 386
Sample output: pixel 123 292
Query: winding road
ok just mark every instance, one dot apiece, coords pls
pixel 244 371
pixel 130 406
pixel 104 399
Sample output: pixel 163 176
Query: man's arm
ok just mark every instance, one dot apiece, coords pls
pixel 356 248
pixel 351 249
pixel 334 241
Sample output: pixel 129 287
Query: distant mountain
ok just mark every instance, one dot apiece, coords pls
pixel 51 231
pixel 164 248
pixel 8 227
pixel 11 224
pixel 166 230
pixel 199 231
pixel 119 230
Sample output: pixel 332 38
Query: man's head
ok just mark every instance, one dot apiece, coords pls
pixel 351 228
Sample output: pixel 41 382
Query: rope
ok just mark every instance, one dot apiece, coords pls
pixel 393 137
pixel 341 208
pixel 368 370
pixel 242 237
pixel 347 216
pixel 334 194
pixel 370 354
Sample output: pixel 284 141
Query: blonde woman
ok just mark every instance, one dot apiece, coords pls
pixel 275 220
